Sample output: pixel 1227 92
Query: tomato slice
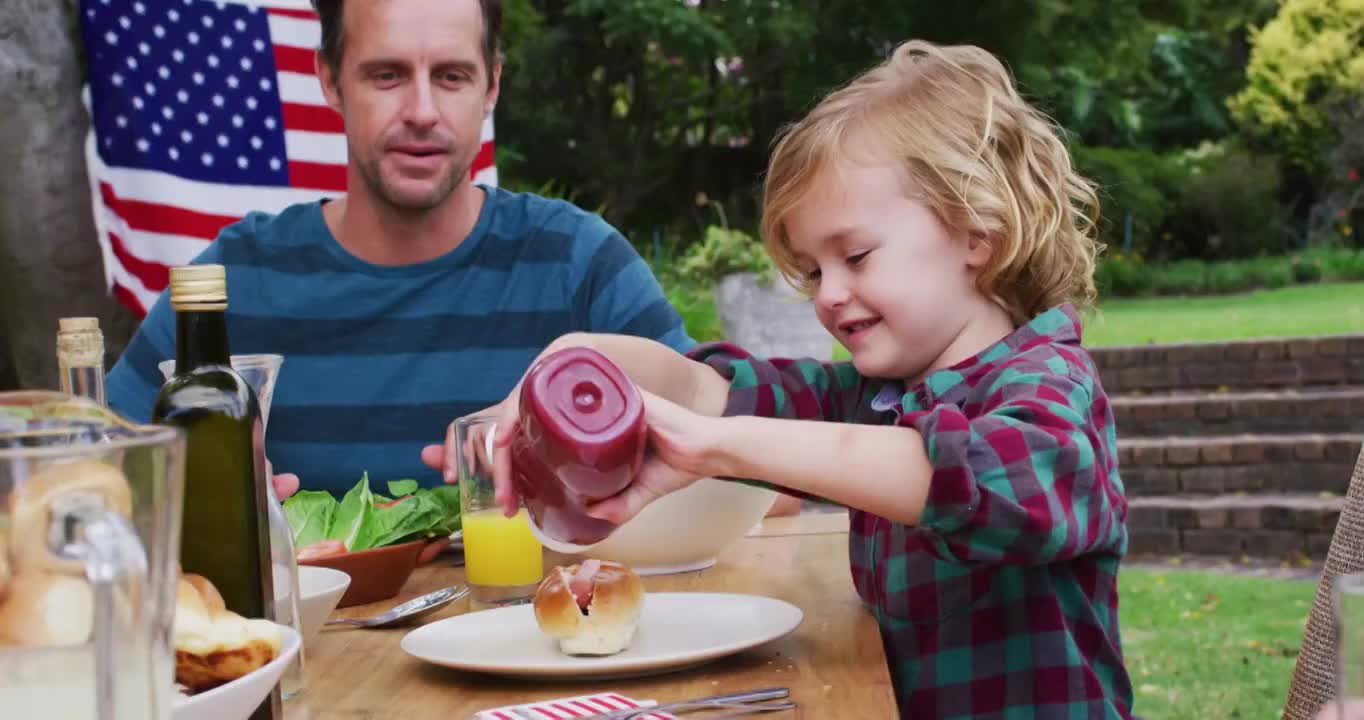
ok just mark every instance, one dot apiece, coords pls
pixel 320 549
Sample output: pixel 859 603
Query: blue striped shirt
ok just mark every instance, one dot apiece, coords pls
pixel 379 359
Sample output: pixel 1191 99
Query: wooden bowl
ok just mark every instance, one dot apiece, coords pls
pixel 376 574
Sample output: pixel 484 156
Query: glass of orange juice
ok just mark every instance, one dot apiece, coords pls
pixel 503 561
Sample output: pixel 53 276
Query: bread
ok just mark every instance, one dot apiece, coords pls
pixel 45 609
pixel 32 504
pixel 214 645
pixel 600 618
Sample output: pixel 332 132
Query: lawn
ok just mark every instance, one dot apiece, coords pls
pixel 1207 646
pixel 1301 310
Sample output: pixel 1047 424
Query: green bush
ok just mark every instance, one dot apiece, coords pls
pixel 1140 182
pixel 1127 276
pixel 724 251
pixel 1235 194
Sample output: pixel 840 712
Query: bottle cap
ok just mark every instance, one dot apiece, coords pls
pixel 79 342
pixel 198 287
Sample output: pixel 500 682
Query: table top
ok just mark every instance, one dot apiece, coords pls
pixel 833 662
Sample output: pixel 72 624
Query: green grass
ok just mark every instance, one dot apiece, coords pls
pixel 1207 646
pixel 1304 310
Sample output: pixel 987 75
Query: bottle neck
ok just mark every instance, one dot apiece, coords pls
pixel 200 339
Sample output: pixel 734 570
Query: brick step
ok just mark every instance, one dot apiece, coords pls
pixel 1266 527
pixel 1245 364
pixel 1308 463
pixel 1326 410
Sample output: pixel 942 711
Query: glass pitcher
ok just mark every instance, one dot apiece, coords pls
pixel 89 553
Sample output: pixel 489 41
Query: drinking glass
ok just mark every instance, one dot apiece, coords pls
pixel 503 561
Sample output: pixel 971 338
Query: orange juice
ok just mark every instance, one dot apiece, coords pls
pixel 499 550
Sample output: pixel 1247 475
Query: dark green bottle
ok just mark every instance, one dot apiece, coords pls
pixel 224 535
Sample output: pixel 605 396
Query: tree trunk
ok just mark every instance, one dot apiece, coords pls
pixel 50 262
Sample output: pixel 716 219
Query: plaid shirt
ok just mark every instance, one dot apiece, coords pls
pixel 1003 602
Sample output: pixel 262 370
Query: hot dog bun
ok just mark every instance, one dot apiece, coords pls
pixel 45 609
pixel 32 506
pixel 607 625
pixel 214 645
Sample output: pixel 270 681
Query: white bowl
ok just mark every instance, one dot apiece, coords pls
pixel 238 699
pixel 687 529
pixel 319 590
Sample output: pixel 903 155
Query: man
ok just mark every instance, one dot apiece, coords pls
pixel 419 297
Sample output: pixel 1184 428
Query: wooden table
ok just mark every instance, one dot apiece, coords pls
pixel 833 663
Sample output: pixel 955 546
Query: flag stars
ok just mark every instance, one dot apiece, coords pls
pixel 265 84
pixel 240 24
pixel 164 72
pixel 233 82
pixel 256 142
pixel 156 129
pixel 144 48
pixel 274 163
pixel 139 8
pixel 237 121
pixel 218 101
pixel 122 121
pixel 206 159
pixel 111 37
pixel 186 137
pixel 193 37
pixel 116 79
pixel 242 162
pixel 124 22
pixel 182 96
pixel 208 21
pixel 259 44
pixel 251 103
pixel 202 117
pixel 178 54
pixel 167 113
pixel 174 15
pixel 132 63
pixel 227 42
pixel 137 102
pixel 150 88
pixel 198 78
pixel 269 123
pixel 213 61
pixel 222 140
pixel 159 31
pixel 246 63
pixel 173 152
pixel 143 145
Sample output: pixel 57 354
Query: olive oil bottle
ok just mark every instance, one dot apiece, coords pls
pixel 224 535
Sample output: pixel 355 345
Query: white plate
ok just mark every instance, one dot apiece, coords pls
pixel 676 630
pixel 238 699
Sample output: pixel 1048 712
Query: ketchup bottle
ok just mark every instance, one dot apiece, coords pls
pixel 582 440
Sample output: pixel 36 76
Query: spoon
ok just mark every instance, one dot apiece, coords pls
pixel 408 611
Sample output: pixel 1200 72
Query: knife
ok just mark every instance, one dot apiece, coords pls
pixel 717 701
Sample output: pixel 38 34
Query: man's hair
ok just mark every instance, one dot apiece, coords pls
pixel 332 12
pixel 972 150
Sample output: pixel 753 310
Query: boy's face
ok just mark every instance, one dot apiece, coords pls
pixel 414 90
pixel 891 282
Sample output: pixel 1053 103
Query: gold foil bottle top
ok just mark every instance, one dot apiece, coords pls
pixel 79 342
pixel 198 287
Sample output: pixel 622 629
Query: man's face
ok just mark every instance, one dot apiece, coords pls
pixel 414 90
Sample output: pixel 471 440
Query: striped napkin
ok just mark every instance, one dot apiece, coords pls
pixel 583 706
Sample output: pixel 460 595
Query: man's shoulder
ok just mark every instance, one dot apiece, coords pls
pixel 298 223
pixel 528 213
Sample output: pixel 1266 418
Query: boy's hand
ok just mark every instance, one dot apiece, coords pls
pixel 680 446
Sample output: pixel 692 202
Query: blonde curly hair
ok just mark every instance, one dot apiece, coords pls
pixel 975 152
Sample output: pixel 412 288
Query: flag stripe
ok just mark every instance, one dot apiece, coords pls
pixel 127 298
pixel 484 158
pixel 317 147
pixel 324 176
pixel 313 118
pixel 300 88
pixel 154 276
pixel 154 187
pixel 286 29
pixel 165 218
pixel 294 60
pixel 302 14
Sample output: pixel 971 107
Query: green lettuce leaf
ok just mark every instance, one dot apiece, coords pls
pixel 353 514
pixel 310 514
pixel 399 488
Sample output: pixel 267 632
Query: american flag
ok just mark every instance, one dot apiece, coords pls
pixel 201 112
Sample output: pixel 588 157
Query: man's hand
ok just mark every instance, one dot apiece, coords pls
pixel 286 484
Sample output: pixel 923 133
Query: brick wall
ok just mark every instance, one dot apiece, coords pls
pixel 1280 528
pixel 1243 364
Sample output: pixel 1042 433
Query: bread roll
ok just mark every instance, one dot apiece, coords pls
pixel 214 645
pixel 47 610
pixel 600 617
pixel 31 506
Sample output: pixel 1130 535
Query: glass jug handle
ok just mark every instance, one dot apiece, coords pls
pixel 83 531
pixel 559 546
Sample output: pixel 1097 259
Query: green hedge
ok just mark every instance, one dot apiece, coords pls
pixel 1130 276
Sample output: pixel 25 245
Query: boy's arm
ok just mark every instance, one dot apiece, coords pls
pixel 1030 478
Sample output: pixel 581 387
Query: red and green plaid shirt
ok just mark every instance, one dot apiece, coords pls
pixel 1003 601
